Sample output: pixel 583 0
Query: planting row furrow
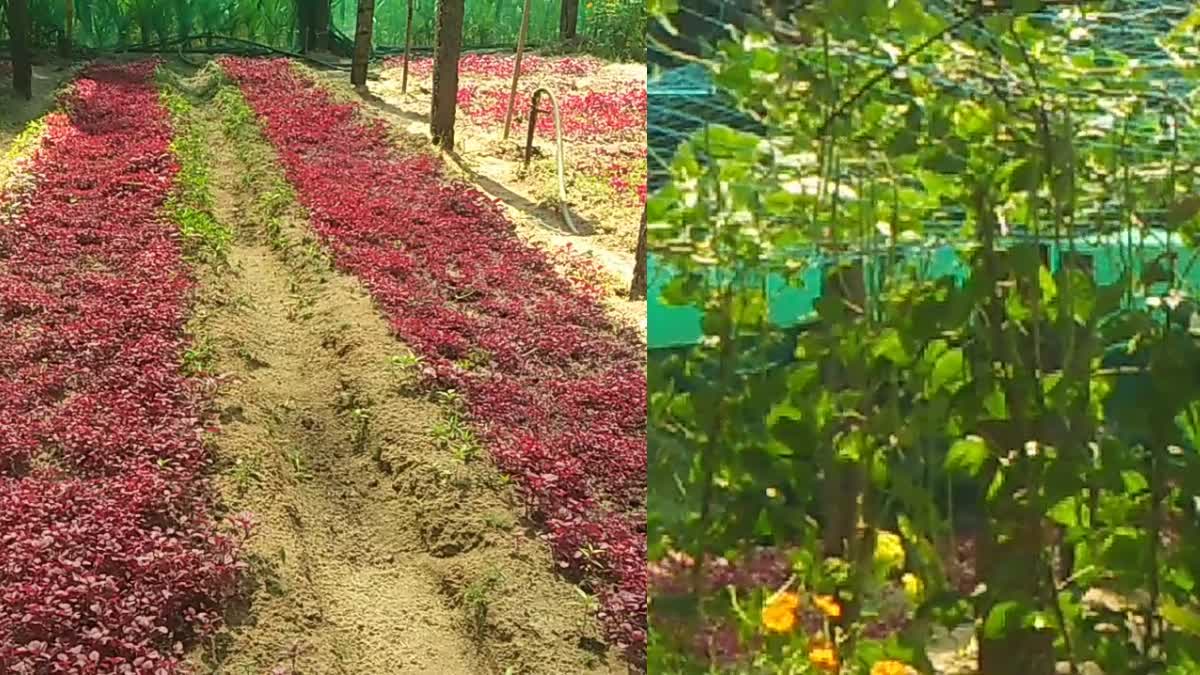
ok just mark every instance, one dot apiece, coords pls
pixel 554 387
pixel 108 561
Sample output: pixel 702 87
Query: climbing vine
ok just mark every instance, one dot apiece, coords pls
pixel 990 417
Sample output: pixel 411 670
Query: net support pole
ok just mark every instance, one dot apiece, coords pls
pixel 512 93
pixel 407 48
pixel 637 287
pixel 362 42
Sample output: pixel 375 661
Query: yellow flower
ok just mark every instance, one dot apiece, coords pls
pixel 823 658
pixel 779 614
pixel 889 668
pixel 828 605
pixel 914 588
pixel 889 550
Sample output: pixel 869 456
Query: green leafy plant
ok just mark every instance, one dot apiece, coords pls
pixel 996 375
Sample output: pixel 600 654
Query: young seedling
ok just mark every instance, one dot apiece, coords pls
pixel 198 359
pixel 478 598
pixel 360 418
pixel 299 466
pixel 245 473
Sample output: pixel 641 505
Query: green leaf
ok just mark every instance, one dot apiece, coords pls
pixel 967 456
pixel 1182 618
pixel 1026 6
pixel 948 369
pixel 1003 616
pixel 891 347
pixel 1066 512
pixel 1183 211
pixel 1026 176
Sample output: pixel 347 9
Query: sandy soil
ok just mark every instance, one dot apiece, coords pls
pixel 495 166
pixel 378 550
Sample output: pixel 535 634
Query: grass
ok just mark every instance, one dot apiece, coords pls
pixel 190 205
pixel 22 147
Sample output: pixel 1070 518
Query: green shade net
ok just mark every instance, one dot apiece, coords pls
pixel 119 24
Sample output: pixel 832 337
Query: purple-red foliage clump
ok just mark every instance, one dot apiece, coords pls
pixel 561 402
pixel 108 561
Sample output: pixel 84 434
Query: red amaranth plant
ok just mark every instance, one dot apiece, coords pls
pixel 561 402
pixel 592 115
pixel 108 563
pixel 501 65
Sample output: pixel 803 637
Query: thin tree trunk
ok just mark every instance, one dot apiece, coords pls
pixel 18 28
pixel 304 23
pixel 637 289
pixel 323 20
pixel 568 19
pixel 407 47
pixel 69 26
pixel 448 46
pixel 362 42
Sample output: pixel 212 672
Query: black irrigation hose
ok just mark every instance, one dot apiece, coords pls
pixel 259 49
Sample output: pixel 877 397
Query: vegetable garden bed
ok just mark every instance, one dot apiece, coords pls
pixel 555 388
pixel 108 554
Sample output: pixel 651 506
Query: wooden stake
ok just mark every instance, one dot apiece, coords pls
pixel 512 94
pixel 407 48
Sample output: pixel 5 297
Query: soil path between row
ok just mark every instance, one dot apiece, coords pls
pixel 377 550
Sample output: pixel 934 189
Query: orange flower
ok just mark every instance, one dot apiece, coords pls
pixel 823 657
pixel 779 614
pixel 889 668
pixel 828 605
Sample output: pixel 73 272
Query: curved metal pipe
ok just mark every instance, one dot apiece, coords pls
pixel 558 156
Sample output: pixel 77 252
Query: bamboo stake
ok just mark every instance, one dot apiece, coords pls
pixel 512 94
pixel 407 49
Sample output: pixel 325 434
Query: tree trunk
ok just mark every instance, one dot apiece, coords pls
pixel 448 45
pixel 637 289
pixel 568 19
pixel 324 17
pixel 304 23
pixel 18 28
pixel 362 42
pixel 69 28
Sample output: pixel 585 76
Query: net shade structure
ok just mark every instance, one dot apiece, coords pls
pixel 688 108
pixel 111 25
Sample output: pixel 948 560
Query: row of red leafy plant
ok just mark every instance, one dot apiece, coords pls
pixel 109 562
pixel 560 394
pixel 501 65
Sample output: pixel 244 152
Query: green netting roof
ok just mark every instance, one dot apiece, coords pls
pixel 113 24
